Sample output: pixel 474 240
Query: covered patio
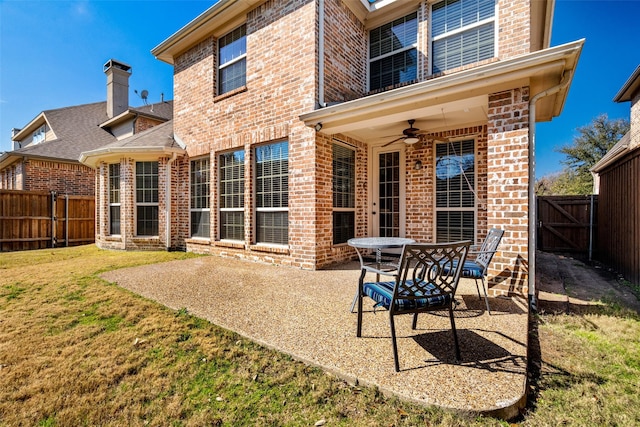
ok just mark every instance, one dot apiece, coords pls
pixel 306 314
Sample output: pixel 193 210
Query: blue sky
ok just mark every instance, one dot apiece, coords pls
pixel 52 53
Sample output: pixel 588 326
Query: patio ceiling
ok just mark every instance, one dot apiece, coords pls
pixel 451 101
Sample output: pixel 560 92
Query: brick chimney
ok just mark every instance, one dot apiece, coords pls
pixel 117 87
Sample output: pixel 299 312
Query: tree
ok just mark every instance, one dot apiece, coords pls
pixel 591 144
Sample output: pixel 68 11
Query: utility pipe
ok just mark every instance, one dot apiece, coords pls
pixel 532 175
pixel 321 101
pixel 167 194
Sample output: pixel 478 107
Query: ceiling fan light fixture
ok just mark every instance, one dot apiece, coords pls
pixel 411 140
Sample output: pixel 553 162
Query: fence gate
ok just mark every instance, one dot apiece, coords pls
pixel 38 220
pixel 567 223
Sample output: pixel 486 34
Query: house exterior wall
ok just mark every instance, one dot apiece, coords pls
pixel 635 122
pixel 44 175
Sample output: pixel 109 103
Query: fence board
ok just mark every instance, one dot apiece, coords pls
pixel 26 220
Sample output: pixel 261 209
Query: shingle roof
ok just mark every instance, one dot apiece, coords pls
pixel 77 129
pixel 159 136
pixel 161 109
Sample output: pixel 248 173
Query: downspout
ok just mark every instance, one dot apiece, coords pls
pixel 167 195
pixel 532 193
pixel 321 101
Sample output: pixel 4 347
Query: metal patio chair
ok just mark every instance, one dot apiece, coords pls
pixel 426 280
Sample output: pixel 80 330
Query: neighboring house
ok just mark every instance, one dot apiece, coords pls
pixel 294 117
pixel 46 150
pixel 617 183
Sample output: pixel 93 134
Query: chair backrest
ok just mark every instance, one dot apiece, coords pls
pixel 425 265
pixel 489 247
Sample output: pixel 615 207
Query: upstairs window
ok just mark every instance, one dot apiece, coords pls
pixel 462 32
pixel 393 55
pixel 272 193
pixel 200 212
pixel 39 134
pixel 344 193
pixel 232 57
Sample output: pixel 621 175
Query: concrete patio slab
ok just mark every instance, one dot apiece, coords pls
pixel 306 314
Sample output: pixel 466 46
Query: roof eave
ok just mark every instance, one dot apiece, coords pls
pixel 203 25
pixel 91 158
pixel 631 86
pixel 31 127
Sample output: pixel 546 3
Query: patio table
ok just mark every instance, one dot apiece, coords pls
pixel 379 265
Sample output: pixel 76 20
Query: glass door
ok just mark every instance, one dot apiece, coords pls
pixel 388 204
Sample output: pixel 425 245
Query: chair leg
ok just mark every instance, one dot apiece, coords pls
pixel 393 341
pixel 455 334
pixel 486 297
pixel 415 321
pixel 359 297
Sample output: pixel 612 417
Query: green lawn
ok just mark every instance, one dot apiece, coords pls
pixel 75 350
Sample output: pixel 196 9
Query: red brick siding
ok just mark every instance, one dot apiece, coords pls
pixel 507 187
pixel 143 123
pixel 64 178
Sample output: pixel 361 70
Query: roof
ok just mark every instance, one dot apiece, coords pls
pixel 76 128
pixel 617 151
pixel 158 140
pixel 631 87
pixel 161 111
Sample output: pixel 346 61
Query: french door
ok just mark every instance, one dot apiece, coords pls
pixel 388 193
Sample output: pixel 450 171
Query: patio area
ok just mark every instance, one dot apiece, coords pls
pixel 306 314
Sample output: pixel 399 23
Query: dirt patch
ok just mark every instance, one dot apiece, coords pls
pixel 569 285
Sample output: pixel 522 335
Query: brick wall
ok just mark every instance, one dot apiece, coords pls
pixel 143 123
pixel 507 187
pixel 635 121
pixel 64 178
pixel 514 23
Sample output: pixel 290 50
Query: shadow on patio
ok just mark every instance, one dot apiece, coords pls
pixel 306 314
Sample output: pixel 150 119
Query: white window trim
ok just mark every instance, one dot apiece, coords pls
pixel 191 208
pixel 157 204
pixel 353 209
pixel 222 66
pixel 473 209
pixel 109 203
pixel 431 38
pixel 254 196
pixel 220 209
pixel 39 135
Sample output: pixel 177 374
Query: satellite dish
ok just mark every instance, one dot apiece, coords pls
pixel 144 94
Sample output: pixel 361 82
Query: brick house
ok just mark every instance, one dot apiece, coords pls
pixel 46 150
pixel 295 120
pixel 617 183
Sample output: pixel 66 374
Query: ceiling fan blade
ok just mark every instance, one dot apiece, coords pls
pixel 391 142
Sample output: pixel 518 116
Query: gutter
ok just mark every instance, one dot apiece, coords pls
pixel 566 79
pixel 321 101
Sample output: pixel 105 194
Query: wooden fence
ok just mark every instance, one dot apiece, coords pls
pixel 567 223
pixel 38 220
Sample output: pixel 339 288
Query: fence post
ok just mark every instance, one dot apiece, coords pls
pixel 54 219
pixel 66 220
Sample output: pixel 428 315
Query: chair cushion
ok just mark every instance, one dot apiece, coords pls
pixel 470 270
pixel 382 293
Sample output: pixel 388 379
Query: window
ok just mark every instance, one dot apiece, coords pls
pixel 232 57
pixel 232 195
pixel 462 32
pixel 455 191
pixel 147 198
pixel 199 183
pixel 272 193
pixel 393 56
pixel 344 193
pixel 114 199
pixel 39 134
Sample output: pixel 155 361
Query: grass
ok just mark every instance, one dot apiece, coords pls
pixel 76 350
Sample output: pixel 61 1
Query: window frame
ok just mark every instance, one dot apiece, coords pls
pixel 155 204
pixel 110 201
pixel 39 135
pixel 222 193
pixel 223 65
pixel 350 194
pixel 207 198
pixel 474 190
pixel 260 210
pixel 404 49
pixel 452 33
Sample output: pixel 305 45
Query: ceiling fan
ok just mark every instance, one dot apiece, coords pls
pixel 411 135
